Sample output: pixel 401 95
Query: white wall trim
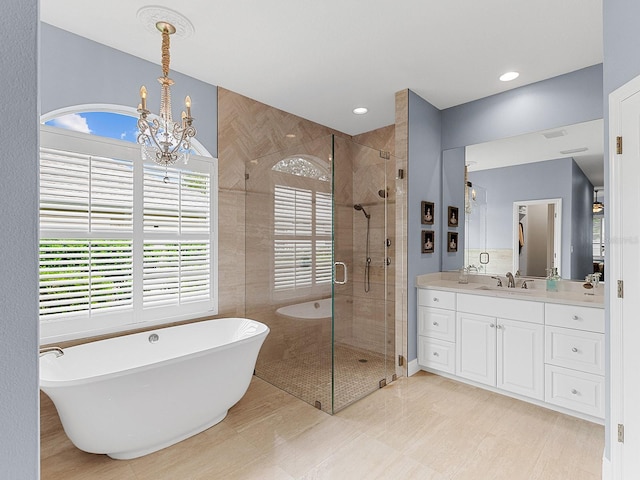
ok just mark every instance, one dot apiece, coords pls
pixel 412 367
pixel 614 413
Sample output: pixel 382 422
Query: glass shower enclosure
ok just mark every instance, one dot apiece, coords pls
pixel 319 242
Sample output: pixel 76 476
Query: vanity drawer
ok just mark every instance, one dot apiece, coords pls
pixel 579 391
pixel 437 354
pixel 575 349
pixel 436 298
pixel 523 310
pixel 437 323
pixel 570 316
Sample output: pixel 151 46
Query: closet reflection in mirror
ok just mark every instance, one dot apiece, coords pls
pixel 564 164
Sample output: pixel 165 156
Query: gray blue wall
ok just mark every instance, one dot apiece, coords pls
pixel 453 161
pixel 19 132
pixel 424 183
pixel 536 181
pixel 564 100
pixel 66 81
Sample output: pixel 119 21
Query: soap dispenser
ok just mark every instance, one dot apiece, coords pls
pixel 552 279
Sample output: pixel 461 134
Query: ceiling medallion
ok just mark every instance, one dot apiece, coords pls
pixel 150 16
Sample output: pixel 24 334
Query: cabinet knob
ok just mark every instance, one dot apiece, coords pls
pixel 575 317
pixel 574 391
pixel 491 325
pixel 574 350
pixel 436 354
pixel 435 323
pixel 499 326
pixel 436 299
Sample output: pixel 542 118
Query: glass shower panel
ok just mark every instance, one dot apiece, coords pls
pixel 317 246
pixel 363 331
pixel 288 241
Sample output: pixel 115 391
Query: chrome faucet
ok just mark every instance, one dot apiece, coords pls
pixel 511 283
pixel 498 279
pixel 55 350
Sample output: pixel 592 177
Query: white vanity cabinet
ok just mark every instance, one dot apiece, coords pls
pixel 538 350
pixel 500 342
pixel 436 330
pixel 574 358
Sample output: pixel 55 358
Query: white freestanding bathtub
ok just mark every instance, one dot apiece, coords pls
pixel 132 395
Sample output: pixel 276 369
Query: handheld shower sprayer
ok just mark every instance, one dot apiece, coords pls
pixel 357 206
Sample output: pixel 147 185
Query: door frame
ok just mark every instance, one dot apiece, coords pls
pixel 557 230
pixel 613 466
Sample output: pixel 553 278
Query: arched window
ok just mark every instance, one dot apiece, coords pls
pixel 119 245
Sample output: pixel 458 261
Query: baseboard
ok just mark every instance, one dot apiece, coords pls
pixel 607 474
pixel 412 367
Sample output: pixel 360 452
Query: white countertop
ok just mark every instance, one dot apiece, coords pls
pixel 569 292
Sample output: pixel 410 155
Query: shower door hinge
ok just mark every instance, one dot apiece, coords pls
pixel 318 405
pixel 385 155
pixel 400 360
pixel 394 377
pixel 619 145
pixel 382 383
pixel 620 289
pixel 246 176
pixel 620 433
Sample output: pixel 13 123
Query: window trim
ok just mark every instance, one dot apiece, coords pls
pixel 63 330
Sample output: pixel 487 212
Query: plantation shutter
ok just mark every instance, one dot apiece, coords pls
pixel 324 230
pixel 177 248
pixel 302 245
pixel 86 228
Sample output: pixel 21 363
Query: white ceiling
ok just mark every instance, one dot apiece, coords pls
pixel 320 59
pixel 536 147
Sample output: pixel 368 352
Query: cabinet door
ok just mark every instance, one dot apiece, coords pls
pixel 476 348
pixel 520 357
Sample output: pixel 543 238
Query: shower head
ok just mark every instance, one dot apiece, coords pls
pixel 357 206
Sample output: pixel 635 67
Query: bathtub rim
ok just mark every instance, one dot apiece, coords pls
pixel 54 384
pixel 279 311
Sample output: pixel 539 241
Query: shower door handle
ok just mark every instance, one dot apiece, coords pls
pixel 344 278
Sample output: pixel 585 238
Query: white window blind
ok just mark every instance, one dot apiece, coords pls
pixel 80 273
pixel 119 245
pixel 302 245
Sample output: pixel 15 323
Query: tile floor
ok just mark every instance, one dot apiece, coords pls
pixel 308 377
pixel 424 427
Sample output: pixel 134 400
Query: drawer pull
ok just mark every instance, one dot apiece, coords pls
pixel 436 299
pixel 574 391
pixel 574 350
pixel 435 324
pixel 436 354
pixel 575 317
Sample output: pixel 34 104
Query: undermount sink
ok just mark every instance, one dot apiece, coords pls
pixel 510 291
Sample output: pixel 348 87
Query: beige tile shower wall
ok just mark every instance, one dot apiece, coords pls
pixel 247 130
pixel 402 148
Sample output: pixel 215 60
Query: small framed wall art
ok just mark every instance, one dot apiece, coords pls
pixel 428 240
pixel 452 241
pixel 427 213
pixel 452 216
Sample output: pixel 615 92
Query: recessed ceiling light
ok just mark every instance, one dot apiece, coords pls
pixel 507 77
pixel 360 110
pixel 290 135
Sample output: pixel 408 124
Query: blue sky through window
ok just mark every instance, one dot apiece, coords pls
pixel 104 124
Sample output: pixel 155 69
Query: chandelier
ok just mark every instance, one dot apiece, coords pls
pixel 163 140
